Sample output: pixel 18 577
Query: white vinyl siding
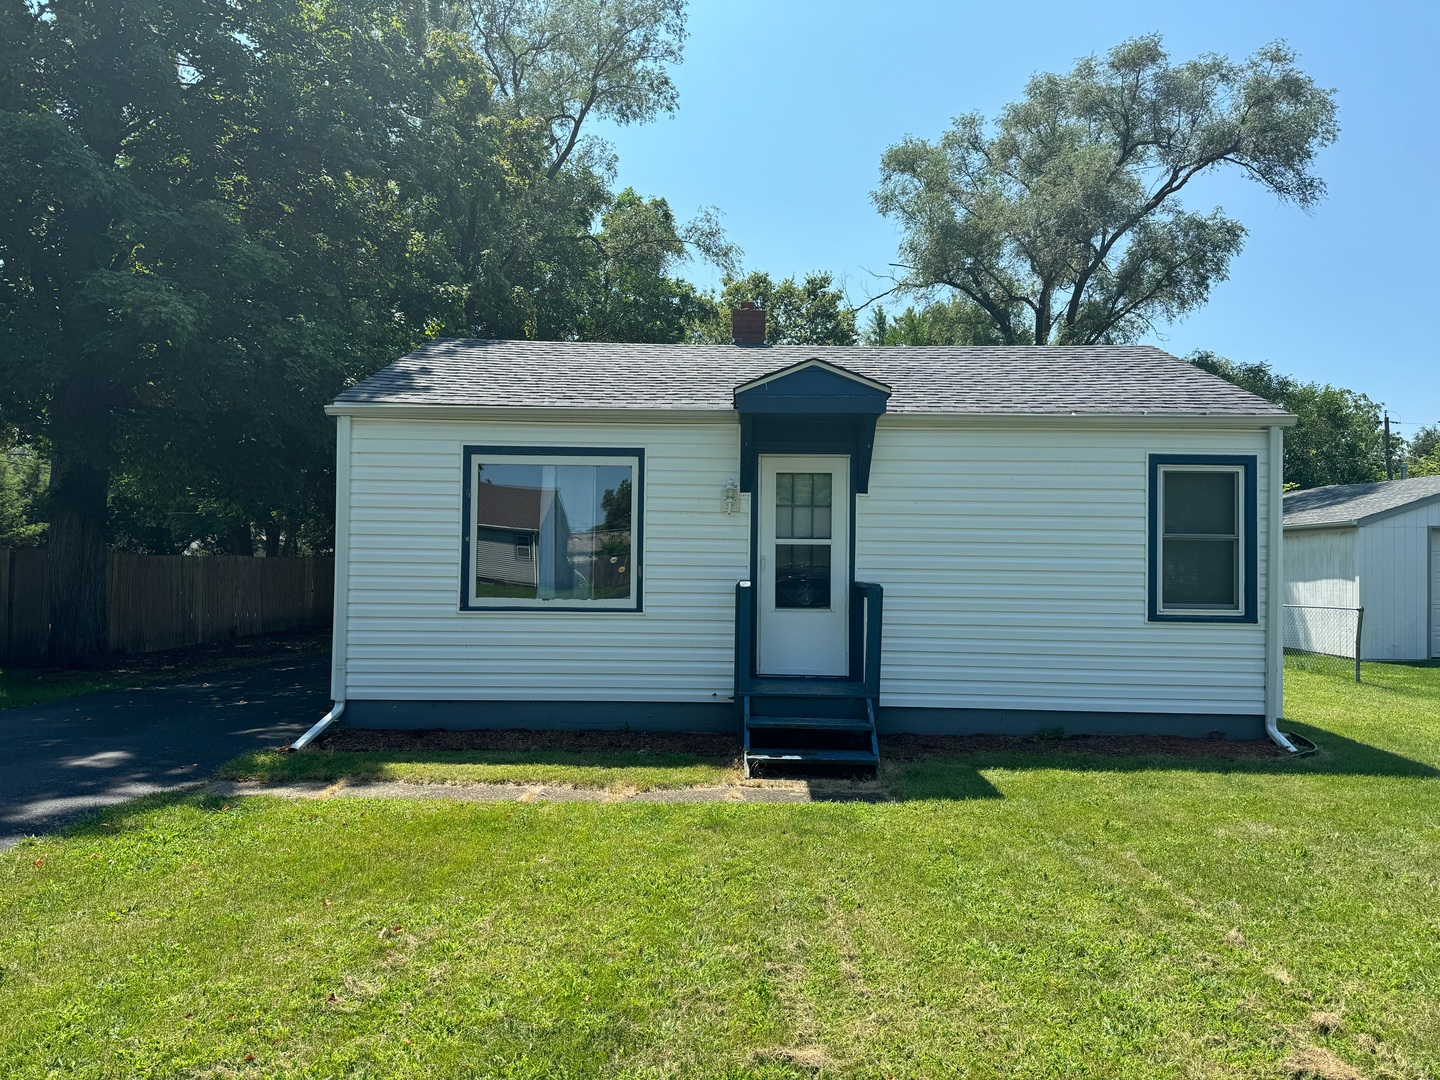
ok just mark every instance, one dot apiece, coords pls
pixel 1013 562
pixel 505 555
pixel 1394 557
pixel 1320 574
pixel 1014 567
pixel 408 640
pixel 1321 568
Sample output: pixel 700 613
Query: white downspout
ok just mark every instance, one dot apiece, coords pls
pixel 1275 594
pixel 339 643
pixel 314 733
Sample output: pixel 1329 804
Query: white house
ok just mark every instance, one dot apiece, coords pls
pixel 1370 546
pixel 809 543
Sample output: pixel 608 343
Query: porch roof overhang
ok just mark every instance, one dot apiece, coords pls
pixel 809 407
pixel 812 387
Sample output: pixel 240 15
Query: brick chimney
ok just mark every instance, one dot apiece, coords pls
pixel 747 324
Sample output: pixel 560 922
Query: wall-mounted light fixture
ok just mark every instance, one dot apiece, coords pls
pixel 730 497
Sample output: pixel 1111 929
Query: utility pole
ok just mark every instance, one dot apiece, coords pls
pixel 1389 458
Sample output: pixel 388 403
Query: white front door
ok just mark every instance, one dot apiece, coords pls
pixel 804 564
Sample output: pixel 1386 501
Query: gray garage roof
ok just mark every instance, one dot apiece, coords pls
pixel 1358 504
pixel 1097 379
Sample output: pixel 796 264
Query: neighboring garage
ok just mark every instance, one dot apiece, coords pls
pixel 1374 547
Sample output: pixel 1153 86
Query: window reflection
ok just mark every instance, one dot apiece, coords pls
pixel 802 575
pixel 553 532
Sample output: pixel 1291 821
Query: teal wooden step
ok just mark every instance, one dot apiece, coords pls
pixel 816 756
pixel 804 688
pixel 821 723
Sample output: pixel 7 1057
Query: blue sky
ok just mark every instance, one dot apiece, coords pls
pixel 786 107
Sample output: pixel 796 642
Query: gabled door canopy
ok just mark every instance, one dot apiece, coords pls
pixel 812 386
pixel 809 407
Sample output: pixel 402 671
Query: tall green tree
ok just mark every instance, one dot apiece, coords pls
pixel 1422 452
pixel 811 311
pixel 956 321
pixel 566 63
pixel 117 247
pixel 634 292
pixel 1338 437
pixel 368 146
pixel 1063 221
pixel 590 263
pixel 242 208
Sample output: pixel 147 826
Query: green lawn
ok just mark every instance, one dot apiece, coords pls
pixel 1010 915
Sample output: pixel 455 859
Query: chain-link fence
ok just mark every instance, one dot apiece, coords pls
pixel 1323 638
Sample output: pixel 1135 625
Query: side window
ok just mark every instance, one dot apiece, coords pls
pixel 1202 538
pixel 552 528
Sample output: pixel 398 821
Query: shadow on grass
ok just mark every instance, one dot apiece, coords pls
pixel 957 773
pixel 929 768
pixel 113 822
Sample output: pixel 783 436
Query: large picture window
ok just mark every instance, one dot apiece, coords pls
pixel 552 528
pixel 1202 538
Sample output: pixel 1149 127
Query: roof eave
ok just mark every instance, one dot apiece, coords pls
pixel 1403 508
pixel 1338 523
pixel 1369 519
pixel 409 410
pixel 791 369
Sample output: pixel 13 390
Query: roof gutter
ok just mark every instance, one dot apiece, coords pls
pixel 409 410
pixel 1348 524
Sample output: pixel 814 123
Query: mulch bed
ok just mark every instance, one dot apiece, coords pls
pixel 654 742
pixel 896 747
pixel 912 747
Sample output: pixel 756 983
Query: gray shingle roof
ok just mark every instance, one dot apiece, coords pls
pixel 1343 503
pixel 1095 379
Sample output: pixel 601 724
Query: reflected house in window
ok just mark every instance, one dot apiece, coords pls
pixel 552 528
pixel 508 523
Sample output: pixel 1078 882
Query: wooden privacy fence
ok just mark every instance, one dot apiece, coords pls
pixel 165 601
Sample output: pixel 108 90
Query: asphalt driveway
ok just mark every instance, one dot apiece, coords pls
pixel 68 757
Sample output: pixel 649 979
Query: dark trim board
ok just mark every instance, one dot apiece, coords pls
pixel 853 435
pixel 637 525
pixel 542 715
pixel 720 716
pixel 895 721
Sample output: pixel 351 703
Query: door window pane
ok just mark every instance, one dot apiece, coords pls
pixel 802 575
pixel 553 531
pixel 802 506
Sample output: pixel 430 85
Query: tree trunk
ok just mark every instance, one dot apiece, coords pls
pixel 238 540
pixel 272 539
pixel 79 491
pixel 1043 317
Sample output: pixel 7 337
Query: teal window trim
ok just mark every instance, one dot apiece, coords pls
pixel 1246 466
pixel 637 527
